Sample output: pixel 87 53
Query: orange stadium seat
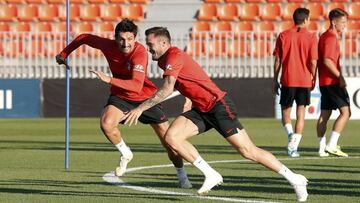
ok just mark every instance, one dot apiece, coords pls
pixel 333 5
pixel 74 13
pixel 314 26
pixel 106 27
pixel 316 11
pixel 4 27
pixel 285 25
pixel 249 12
pixel 84 27
pixel 213 1
pixel 266 29
pixel 15 1
pixel 22 27
pixel 35 1
pixel 139 1
pixel 242 29
pixel 97 1
pixel 296 1
pixel 276 1
pixel 78 1
pixel 42 30
pixel 271 12
pixel 111 12
pixel 49 12
pixel 60 30
pixel 354 11
pixel 350 48
pixel 28 13
pixel 8 12
pixel 260 49
pixel 228 12
pixel 119 1
pixel 353 29
pixel 201 29
pixel 56 1
pixel 255 1
pixel 238 48
pixel 340 1
pixel 320 1
pixel 207 12
pixel 234 1
pixel 222 29
pixel 13 48
pixel 195 48
pixel 90 12
pixel 134 12
pixel 217 48
pixel 289 10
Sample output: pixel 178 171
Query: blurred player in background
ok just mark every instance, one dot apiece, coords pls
pixel 130 86
pixel 212 108
pixel 296 54
pixel 332 84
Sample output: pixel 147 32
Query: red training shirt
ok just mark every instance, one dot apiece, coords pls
pixel 191 80
pixel 296 49
pixel 129 79
pixel 329 47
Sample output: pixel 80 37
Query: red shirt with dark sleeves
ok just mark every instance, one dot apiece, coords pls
pixel 329 47
pixel 296 49
pixel 129 70
pixel 191 80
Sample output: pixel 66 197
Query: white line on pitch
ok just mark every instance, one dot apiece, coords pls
pixel 111 178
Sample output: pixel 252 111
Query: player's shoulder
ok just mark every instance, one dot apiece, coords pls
pixel 139 48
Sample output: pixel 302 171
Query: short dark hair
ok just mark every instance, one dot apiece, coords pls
pixel 300 14
pixel 159 31
pixel 337 13
pixel 126 25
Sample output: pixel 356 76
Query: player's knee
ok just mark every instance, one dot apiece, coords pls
pixel 170 138
pixel 107 125
pixel 248 153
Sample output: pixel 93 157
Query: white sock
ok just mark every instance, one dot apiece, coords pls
pixel 334 136
pixel 124 149
pixel 181 173
pixel 203 166
pixel 287 174
pixel 322 144
pixel 295 141
pixel 288 129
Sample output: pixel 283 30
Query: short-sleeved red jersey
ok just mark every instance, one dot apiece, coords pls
pixel 296 48
pixel 191 80
pixel 129 79
pixel 329 47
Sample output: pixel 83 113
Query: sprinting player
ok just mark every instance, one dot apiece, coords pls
pixel 332 85
pixel 296 54
pixel 212 108
pixel 130 86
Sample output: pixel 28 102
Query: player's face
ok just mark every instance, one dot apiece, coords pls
pixel 126 42
pixel 340 24
pixel 155 46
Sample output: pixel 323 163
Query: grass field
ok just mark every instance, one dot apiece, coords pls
pixel 32 165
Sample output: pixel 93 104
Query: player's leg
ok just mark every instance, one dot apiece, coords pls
pixel 321 131
pixel 160 130
pixel 180 130
pixel 242 143
pixel 286 101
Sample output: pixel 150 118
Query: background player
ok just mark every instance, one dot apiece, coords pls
pixel 296 54
pixel 332 84
pixel 212 109
pixel 130 86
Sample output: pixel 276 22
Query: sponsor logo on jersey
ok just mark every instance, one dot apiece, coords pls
pixel 139 68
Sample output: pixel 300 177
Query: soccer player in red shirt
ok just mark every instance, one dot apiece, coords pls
pixel 332 84
pixel 296 54
pixel 212 108
pixel 130 86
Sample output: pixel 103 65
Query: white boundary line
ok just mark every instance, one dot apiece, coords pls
pixel 112 179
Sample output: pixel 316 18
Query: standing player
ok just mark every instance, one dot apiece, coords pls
pixel 212 109
pixel 130 86
pixel 296 52
pixel 332 84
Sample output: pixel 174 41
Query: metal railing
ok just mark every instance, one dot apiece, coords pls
pixel 222 55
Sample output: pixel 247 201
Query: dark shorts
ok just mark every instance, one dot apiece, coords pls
pixel 301 95
pixel 154 115
pixel 222 117
pixel 333 97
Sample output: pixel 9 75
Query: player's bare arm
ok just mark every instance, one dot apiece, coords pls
pixel 277 67
pixel 313 70
pixel 102 76
pixel 333 70
pixel 187 105
pixel 163 92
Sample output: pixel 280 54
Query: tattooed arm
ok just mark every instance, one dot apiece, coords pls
pixel 159 96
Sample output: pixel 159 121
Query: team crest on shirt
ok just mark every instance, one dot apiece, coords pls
pixel 168 67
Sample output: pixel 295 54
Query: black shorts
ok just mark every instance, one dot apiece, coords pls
pixel 333 97
pixel 154 115
pixel 222 117
pixel 300 94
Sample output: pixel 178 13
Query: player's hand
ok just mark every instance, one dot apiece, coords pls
pixel 342 81
pixel 60 60
pixel 101 76
pixel 276 88
pixel 187 105
pixel 132 116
